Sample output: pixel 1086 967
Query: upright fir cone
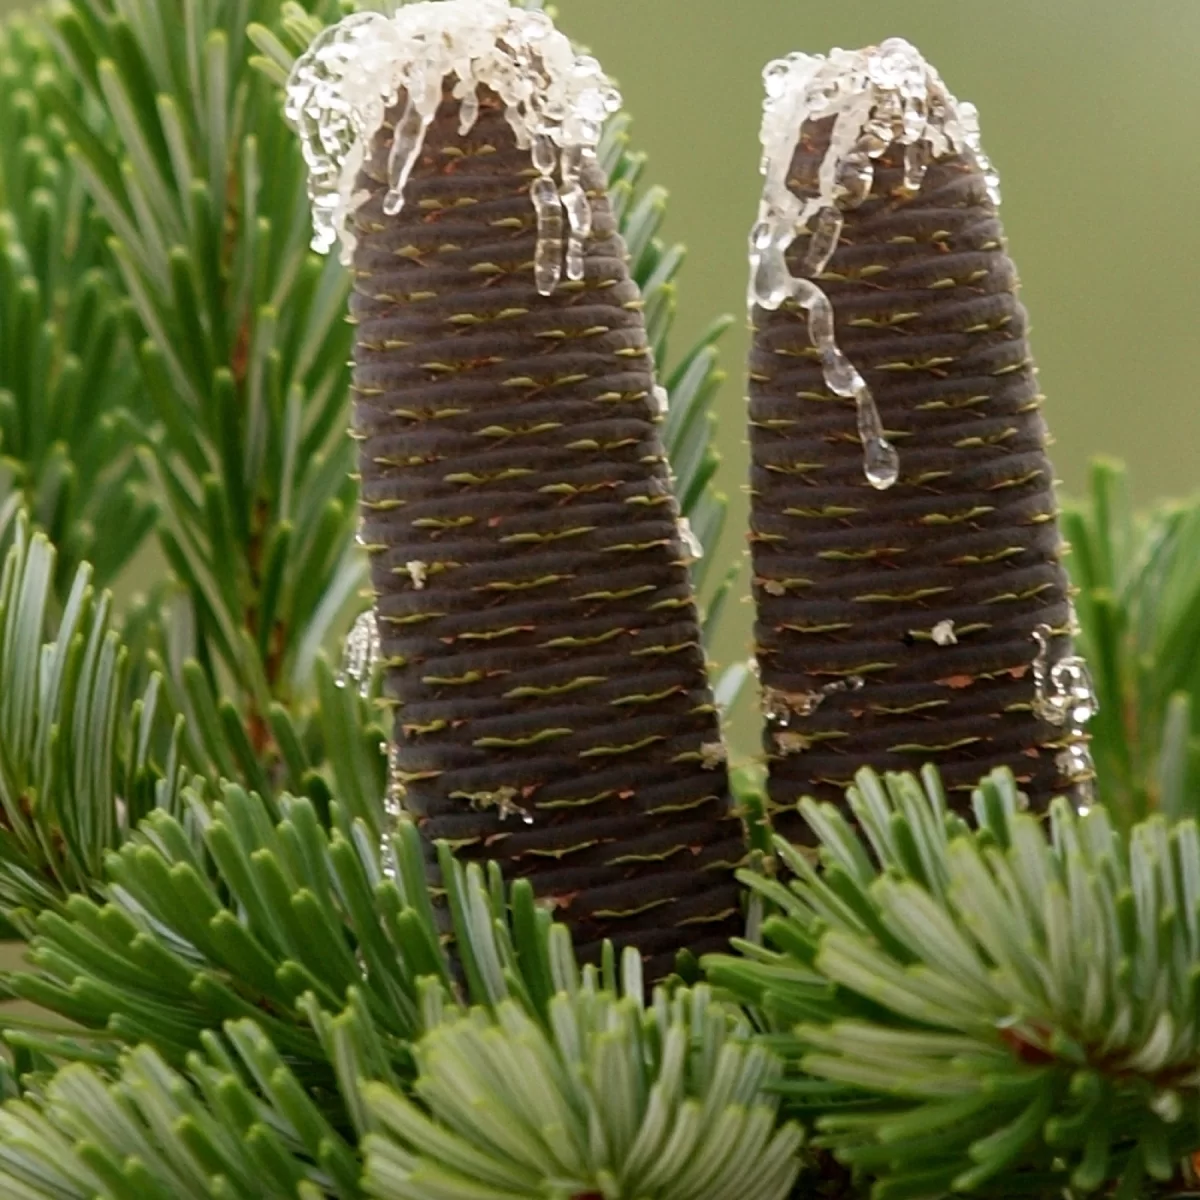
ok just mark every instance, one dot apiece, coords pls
pixel 533 605
pixel 912 605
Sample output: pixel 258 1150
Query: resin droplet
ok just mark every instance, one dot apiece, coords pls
pixel 943 634
pixel 503 800
pixel 1064 696
pixel 393 809
pixel 418 572
pixel 394 799
pixel 1063 691
pixel 780 706
pixel 660 401
pixel 468 112
pixel 341 89
pixel 693 550
pixel 790 742
pixel 361 653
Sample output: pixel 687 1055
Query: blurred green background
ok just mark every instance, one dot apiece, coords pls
pixel 1088 110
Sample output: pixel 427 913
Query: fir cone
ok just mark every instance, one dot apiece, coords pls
pixel 537 623
pixel 912 603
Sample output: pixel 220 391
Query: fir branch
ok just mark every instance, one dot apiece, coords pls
pixel 85 752
pixel 66 394
pixel 325 974
pixel 665 1103
pixel 237 1126
pixel 985 1000
pixel 1138 580
pixel 242 349
pixel 242 908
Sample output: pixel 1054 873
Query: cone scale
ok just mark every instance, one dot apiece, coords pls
pixel 535 617
pixel 912 603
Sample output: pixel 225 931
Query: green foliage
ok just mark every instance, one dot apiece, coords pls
pixel 265 997
pixel 325 971
pixel 613 1100
pixel 1139 606
pixel 244 908
pixel 624 1101
pixel 239 1125
pixel 66 395
pixel 242 345
pixel 78 742
pixel 965 1007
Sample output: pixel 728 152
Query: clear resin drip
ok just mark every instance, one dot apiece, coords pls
pixel 393 808
pixel 406 145
pixel 576 205
pixel 548 254
pixel 1063 695
pixel 556 101
pixel 881 463
pixel 873 99
pixel 362 652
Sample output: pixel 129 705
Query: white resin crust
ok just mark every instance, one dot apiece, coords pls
pixel 556 102
pixel 876 98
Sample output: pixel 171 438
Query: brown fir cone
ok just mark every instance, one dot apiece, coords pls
pixel 537 623
pixel 899 625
